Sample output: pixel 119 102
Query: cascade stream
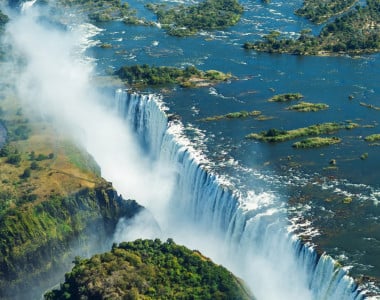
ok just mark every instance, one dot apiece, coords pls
pixel 250 234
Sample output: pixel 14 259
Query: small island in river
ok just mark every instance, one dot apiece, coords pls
pixel 307 106
pixel 275 135
pixel 286 97
pixel 142 75
pixel 233 115
pixel 186 20
pixel 316 142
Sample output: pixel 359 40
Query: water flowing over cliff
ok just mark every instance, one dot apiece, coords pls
pixel 247 233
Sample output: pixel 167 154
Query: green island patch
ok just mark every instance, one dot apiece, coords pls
pixel 316 142
pixel 275 135
pixel 286 97
pixel 147 269
pixel 372 138
pixel 183 20
pixel 307 107
pixel 355 32
pixel 104 10
pixel 141 75
pixel 234 115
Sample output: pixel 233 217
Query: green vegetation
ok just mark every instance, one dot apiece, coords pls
pixel 369 106
pixel 263 118
pixel 316 142
pixel 234 115
pixel 286 97
pixel 140 75
pixel 207 15
pixel 364 156
pixel 104 10
pixel 35 241
pixel 53 203
pixel 3 19
pixel 275 135
pixel 17 127
pixel 355 32
pixel 307 106
pixel 372 138
pixel 147 269
pixel 347 200
pixel 319 11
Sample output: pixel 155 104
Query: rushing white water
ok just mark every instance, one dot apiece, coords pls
pixel 245 234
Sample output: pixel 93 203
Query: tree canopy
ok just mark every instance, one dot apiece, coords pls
pixel 149 269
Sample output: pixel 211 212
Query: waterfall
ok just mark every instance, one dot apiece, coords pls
pixel 247 234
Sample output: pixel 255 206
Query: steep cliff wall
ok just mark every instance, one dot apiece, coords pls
pixel 38 243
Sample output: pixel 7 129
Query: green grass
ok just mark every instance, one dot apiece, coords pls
pixel 286 97
pixel 38 161
pixel 275 135
pixel 234 115
pixel 141 75
pixel 372 138
pixel 316 142
pixel 308 107
pixel 186 20
pixel 81 159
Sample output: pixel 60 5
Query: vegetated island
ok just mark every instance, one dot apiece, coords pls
pixel 355 32
pixel 372 138
pixel 319 11
pixel 286 97
pixel 147 269
pixel 369 106
pixel 275 135
pixel 308 107
pixel 142 75
pixel 53 204
pixel 316 142
pixel 105 10
pixel 233 115
pixel 184 20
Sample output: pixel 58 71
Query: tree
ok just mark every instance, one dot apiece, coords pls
pixel 26 174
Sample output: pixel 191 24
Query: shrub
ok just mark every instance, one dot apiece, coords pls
pixel 14 159
pixel 26 174
pixel 34 166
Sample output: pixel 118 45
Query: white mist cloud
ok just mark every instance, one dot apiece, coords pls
pixel 141 226
pixel 55 79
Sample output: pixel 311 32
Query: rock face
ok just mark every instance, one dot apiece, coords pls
pixel 3 135
pixel 39 243
pixel 147 269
